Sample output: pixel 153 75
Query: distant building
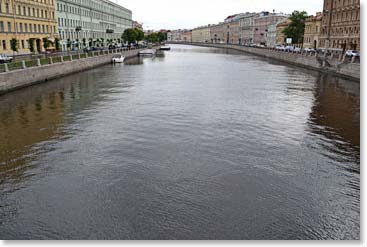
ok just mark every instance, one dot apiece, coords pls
pixel 138 25
pixel 271 35
pixel 201 34
pixel 261 24
pixel 312 31
pixel 281 39
pixel 181 35
pixel 340 28
pixel 218 34
pixel 247 28
pixel 186 36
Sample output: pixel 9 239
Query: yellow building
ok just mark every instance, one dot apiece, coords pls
pixel 312 31
pixel 280 36
pixel 201 34
pixel 27 20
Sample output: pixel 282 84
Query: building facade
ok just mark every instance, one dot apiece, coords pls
pixel 186 36
pixel 83 23
pixel 247 28
pixel 261 24
pixel 138 25
pixel 340 27
pixel 201 34
pixel 180 35
pixel 218 33
pixel 281 39
pixel 312 31
pixel 27 21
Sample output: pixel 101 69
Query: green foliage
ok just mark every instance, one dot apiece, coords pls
pixel 14 44
pixel 296 28
pixel 90 42
pixel 84 42
pixel 156 37
pixel 46 43
pixel 132 35
pixel 31 45
pixel 68 44
pixel 57 44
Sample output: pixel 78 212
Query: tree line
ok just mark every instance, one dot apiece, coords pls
pixel 130 36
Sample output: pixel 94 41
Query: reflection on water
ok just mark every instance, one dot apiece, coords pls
pixel 199 144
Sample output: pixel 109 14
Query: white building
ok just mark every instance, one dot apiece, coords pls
pixel 90 22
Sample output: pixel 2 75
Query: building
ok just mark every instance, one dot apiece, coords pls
pixel 201 34
pixel 91 23
pixel 179 35
pixel 281 39
pixel 186 36
pixel 27 21
pixel 246 28
pixel 261 24
pixel 312 31
pixel 340 28
pixel 271 35
pixel 218 34
pixel 138 25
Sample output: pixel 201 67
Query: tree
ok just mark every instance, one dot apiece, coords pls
pixel 31 45
pixel 14 45
pixel 46 43
pixel 84 42
pixel 77 43
pixel 68 44
pixel 132 35
pixel 296 28
pixel 57 44
pixel 90 42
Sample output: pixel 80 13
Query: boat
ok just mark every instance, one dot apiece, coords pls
pixel 147 52
pixel 165 48
pixel 118 59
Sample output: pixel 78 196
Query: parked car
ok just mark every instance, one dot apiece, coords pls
pixel 352 53
pixel 309 49
pixel 297 49
pixel 5 59
pixel 280 48
pixel 289 48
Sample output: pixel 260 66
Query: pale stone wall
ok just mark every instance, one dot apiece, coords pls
pixel 25 77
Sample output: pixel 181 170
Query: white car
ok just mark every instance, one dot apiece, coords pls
pixel 309 50
pixel 352 53
pixel 5 58
pixel 279 48
pixel 297 49
pixel 289 48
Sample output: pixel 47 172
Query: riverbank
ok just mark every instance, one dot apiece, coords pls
pixel 330 64
pixel 57 67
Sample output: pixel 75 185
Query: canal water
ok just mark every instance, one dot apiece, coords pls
pixel 199 144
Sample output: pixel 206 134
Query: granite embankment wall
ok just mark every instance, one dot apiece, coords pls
pixel 328 64
pixel 16 79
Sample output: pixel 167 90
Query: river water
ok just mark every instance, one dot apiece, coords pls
pixel 200 144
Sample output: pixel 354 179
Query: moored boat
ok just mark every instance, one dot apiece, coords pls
pixel 165 48
pixel 147 52
pixel 118 59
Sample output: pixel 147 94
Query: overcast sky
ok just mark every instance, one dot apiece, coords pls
pixel 174 14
